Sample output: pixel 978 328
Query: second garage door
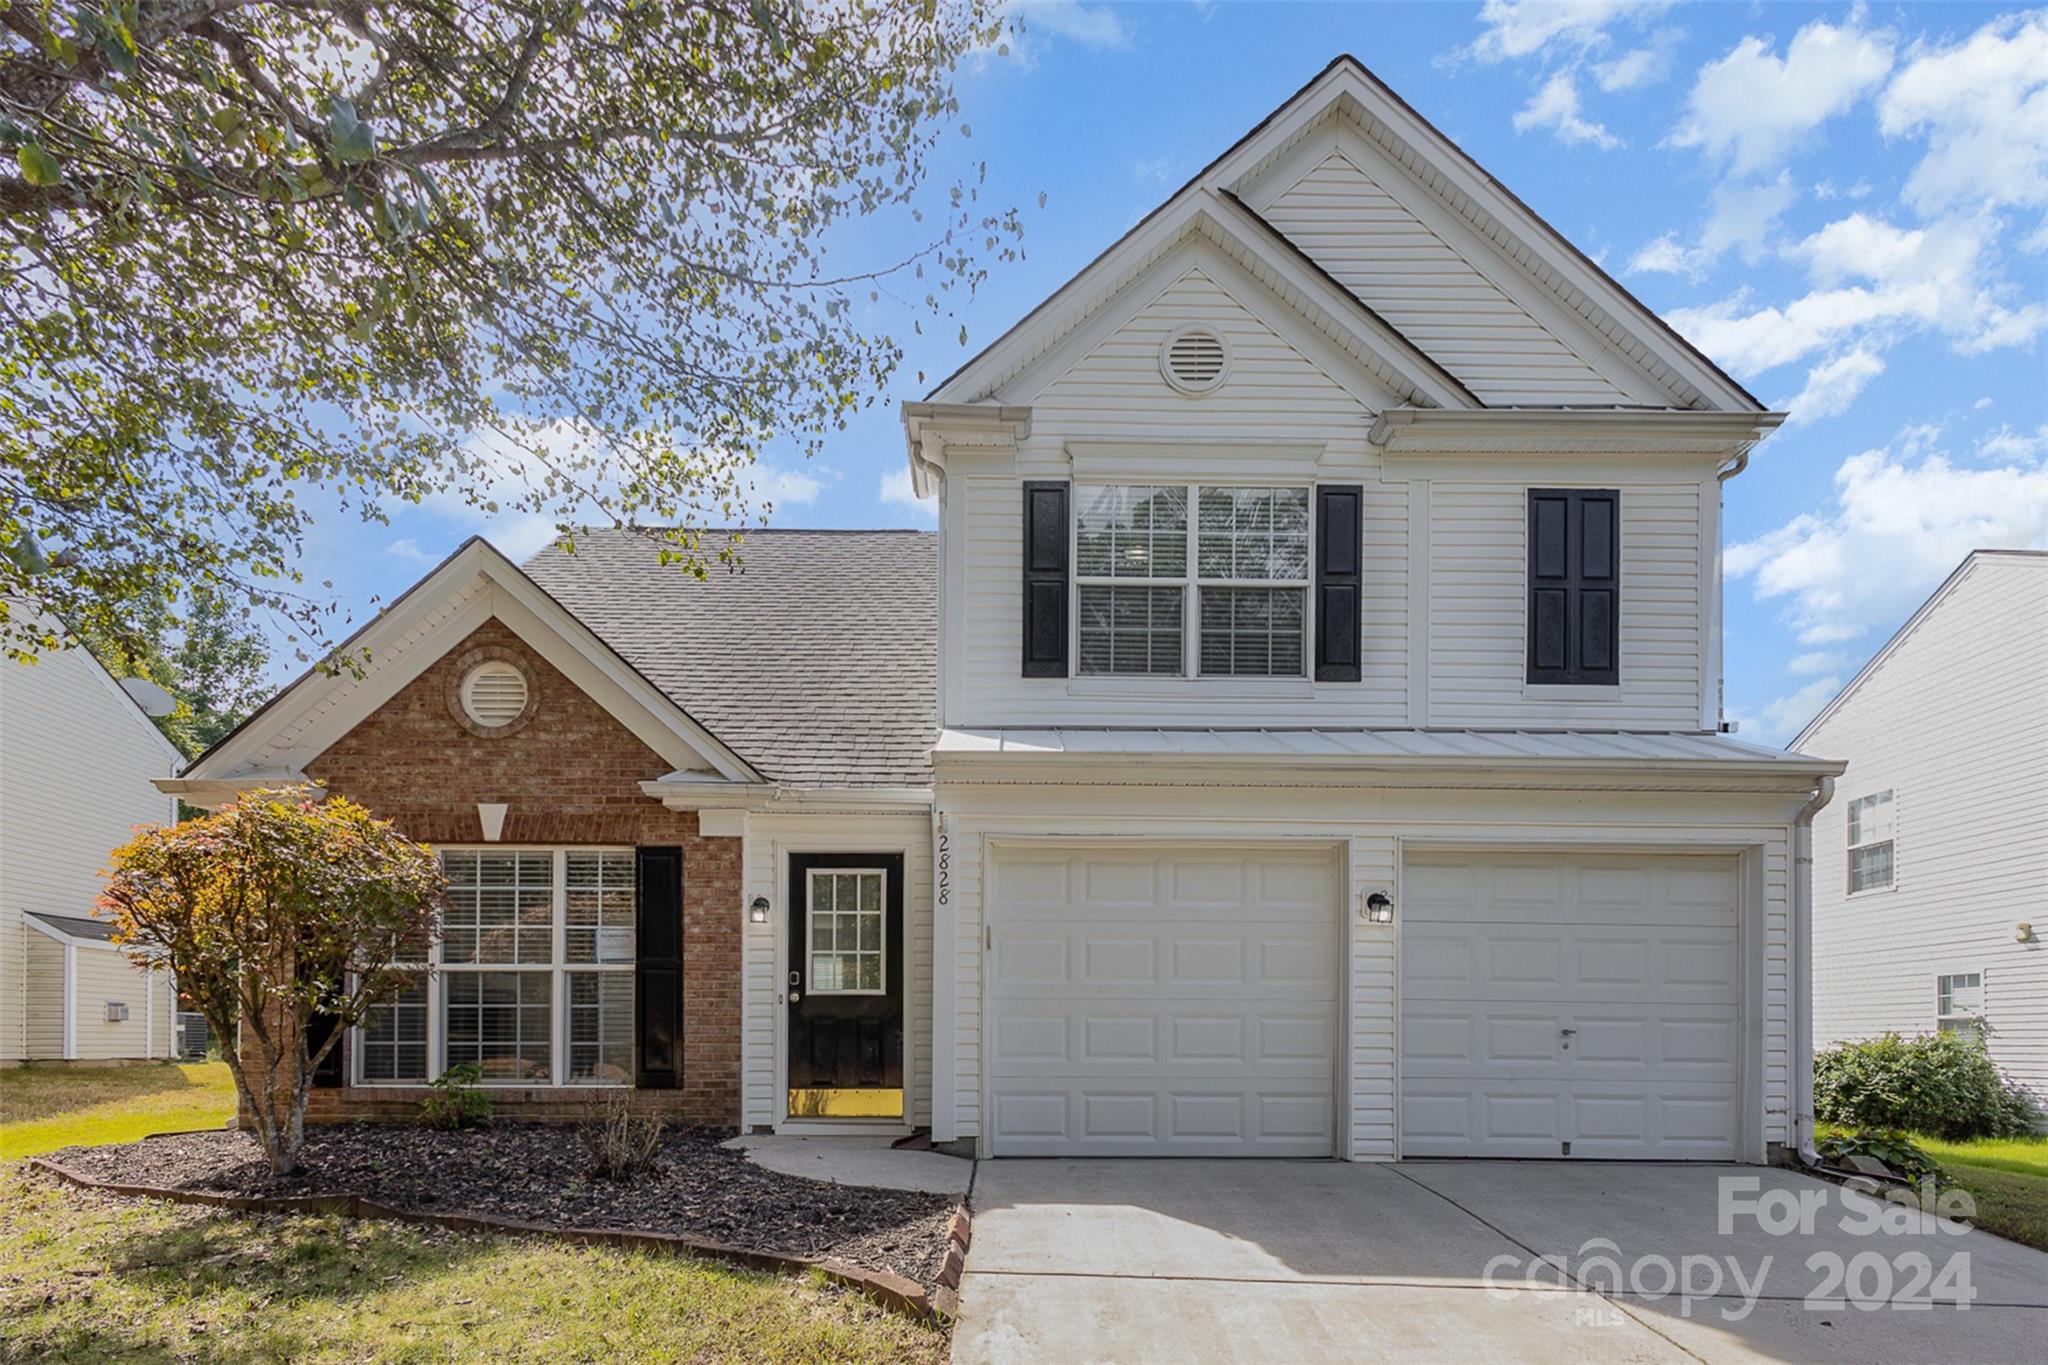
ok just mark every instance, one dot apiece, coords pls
pixel 1149 1002
pixel 1570 1005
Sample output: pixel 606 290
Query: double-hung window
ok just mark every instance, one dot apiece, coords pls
pixel 1959 1003
pixel 1870 842
pixel 1186 580
pixel 531 979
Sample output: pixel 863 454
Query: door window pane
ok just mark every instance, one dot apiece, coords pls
pixel 848 932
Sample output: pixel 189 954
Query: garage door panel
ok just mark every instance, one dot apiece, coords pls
pixel 1165 1003
pixel 1554 998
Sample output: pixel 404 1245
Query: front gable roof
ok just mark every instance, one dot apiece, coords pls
pixel 1579 295
pixel 473 585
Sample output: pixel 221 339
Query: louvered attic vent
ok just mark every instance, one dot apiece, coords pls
pixel 1195 360
pixel 494 694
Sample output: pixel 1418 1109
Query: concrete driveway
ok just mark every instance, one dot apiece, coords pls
pixel 1179 1261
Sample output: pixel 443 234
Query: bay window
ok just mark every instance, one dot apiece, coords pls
pixel 531 979
pixel 1238 569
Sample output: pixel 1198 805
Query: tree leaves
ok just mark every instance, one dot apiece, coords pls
pixel 349 137
pixel 38 167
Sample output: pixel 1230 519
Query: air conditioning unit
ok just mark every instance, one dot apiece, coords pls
pixel 117 1012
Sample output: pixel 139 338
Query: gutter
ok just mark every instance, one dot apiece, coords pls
pixel 1802 948
pixel 768 796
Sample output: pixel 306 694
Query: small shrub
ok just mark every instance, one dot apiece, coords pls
pixel 1942 1084
pixel 458 1100
pixel 1894 1149
pixel 621 1145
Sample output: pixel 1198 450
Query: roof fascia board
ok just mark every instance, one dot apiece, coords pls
pixel 930 428
pixel 762 797
pixel 1317 770
pixel 1336 132
pixel 1570 431
pixel 1376 98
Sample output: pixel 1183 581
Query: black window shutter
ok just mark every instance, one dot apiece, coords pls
pixel 1339 548
pixel 658 974
pixel 332 1070
pixel 1045 579
pixel 1575 585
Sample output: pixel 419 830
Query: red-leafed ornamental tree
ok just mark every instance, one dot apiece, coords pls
pixel 276 908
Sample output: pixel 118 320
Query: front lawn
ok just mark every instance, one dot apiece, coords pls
pixel 2008 1177
pixel 92 1277
pixel 2022 1156
pixel 43 1108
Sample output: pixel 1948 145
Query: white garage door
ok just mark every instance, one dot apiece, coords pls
pixel 1144 1002
pixel 1570 1005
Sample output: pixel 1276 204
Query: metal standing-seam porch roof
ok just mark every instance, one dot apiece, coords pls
pixel 1394 747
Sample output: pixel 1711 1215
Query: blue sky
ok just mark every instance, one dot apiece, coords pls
pixel 1846 206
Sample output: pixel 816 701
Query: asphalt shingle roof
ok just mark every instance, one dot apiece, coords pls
pixel 816 659
pixel 78 926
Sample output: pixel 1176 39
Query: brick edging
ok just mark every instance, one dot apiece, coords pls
pixel 891 1291
pixel 959 1234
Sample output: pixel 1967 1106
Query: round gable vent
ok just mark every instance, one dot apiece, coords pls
pixel 1195 360
pixel 494 694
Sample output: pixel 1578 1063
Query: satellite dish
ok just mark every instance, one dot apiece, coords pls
pixel 153 700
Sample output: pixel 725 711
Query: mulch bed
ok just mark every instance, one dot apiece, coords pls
pixel 539 1173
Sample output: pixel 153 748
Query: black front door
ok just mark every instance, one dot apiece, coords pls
pixel 845 985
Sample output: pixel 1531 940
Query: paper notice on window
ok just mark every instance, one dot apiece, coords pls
pixel 615 943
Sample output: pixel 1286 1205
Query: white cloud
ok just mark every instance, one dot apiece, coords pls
pixel 1632 70
pixel 1031 21
pixel 409 550
pixel 1525 28
pixel 1872 275
pixel 1556 106
pixel 896 488
pixel 1901 521
pixel 780 487
pixel 1741 218
pixel 1832 386
pixel 1820 661
pixel 1753 106
pixel 1983 107
pixel 1788 715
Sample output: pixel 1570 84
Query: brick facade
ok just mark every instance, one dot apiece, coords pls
pixel 570 774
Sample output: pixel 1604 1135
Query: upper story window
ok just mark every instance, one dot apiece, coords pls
pixel 1959 1003
pixel 1870 842
pixel 1237 569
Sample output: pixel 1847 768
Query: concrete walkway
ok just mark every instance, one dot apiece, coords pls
pixel 1180 1261
pixel 870 1161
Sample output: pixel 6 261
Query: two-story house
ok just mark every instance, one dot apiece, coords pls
pixel 1301 737
pixel 1930 884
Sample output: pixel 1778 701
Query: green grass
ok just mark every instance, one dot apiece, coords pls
pixel 90 1277
pixel 2021 1156
pixel 43 1108
pixel 2008 1177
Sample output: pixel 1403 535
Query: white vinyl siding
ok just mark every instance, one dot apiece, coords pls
pixel 1348 223
pixel 1953 719
pixel 76 761
pixel 766 953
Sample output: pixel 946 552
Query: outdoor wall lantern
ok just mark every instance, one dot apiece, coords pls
pixel 1379 908
pixel 2024 931
pixel 758 911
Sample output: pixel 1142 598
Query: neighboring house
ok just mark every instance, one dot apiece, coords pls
pixel 77 761
pixel 1300 738
pixel 1930 883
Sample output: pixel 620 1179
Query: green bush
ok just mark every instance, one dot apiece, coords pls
pixel 458 1100
pixel 1943 1084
